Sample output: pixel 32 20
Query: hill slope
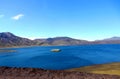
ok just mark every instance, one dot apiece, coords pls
pixel 8 39
pixel 112 40
pixel 62 41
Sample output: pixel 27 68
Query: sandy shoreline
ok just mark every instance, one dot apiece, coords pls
pixel 34 73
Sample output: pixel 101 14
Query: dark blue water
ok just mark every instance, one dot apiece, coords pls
pixel 69 57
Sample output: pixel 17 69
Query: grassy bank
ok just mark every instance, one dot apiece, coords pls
pixel 111 68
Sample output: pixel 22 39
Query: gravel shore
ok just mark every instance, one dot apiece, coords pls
pixel 34 73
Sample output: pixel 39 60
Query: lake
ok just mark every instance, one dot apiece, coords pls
pixel 68 57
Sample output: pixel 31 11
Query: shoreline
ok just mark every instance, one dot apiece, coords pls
pixel 35 73
pixel 51 45
pixel 106 68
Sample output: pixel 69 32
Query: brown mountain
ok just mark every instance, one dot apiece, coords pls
pixel 8 39
pixel 112 40
pixel 61 41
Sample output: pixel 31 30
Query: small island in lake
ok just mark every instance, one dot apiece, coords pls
pixel 55 50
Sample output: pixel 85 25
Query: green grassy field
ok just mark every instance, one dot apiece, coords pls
pixel 111 68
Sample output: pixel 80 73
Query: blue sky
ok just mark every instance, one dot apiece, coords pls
pixel 82 19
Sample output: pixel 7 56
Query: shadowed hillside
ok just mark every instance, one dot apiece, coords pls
pixel 8 39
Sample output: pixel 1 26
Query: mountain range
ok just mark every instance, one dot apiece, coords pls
pixel 8 39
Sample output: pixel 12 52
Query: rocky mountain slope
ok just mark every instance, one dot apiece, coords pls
pixel 8 39
pixel 62 41
pixel 112 40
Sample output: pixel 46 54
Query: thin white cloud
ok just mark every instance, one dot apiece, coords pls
pixel 17 17
pixel 1 16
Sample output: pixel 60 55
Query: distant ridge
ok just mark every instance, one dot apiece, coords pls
pixel 63 41
pixel 8 39
pixel 113 38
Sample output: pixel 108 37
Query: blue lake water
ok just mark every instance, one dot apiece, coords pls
pixel 69 57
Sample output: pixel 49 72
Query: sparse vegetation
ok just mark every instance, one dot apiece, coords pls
pixel 111 68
